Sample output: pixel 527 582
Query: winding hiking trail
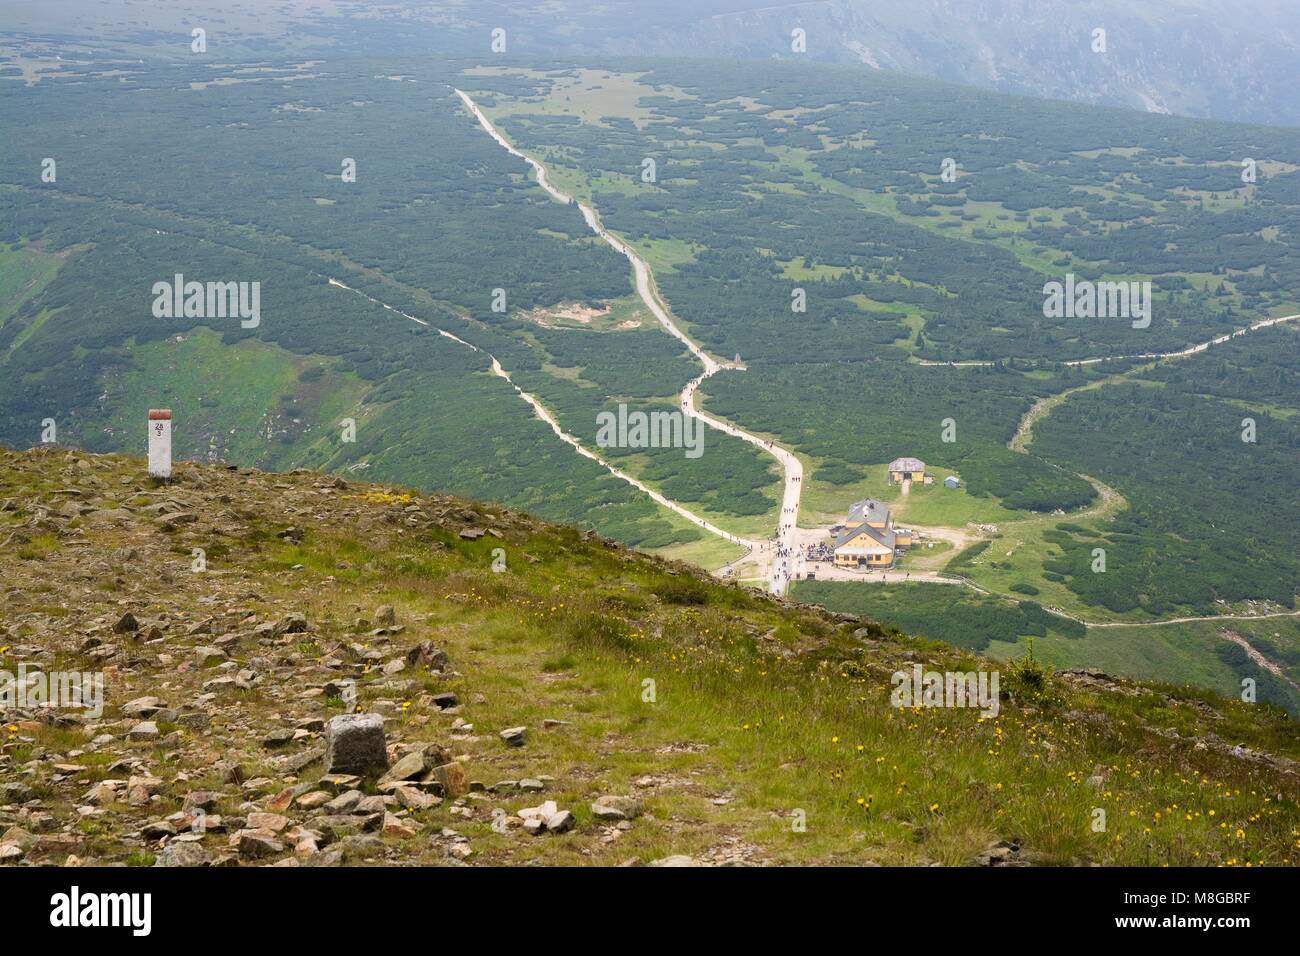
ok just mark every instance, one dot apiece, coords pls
pixel 564 436
pixel 1156 356
pixel 782 563
pixel 1111 500
pixel 1044 406
pixel 1175 620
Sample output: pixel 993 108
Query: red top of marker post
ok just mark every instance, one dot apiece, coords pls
pixel 160 414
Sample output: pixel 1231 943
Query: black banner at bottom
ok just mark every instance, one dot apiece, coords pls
pixel 336 905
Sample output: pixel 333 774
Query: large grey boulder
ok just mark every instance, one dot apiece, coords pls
pixel 514 736
pixel 354 743
pixel 183 854
pixel 612 808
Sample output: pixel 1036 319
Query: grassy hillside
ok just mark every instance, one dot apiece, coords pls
pixel 744 729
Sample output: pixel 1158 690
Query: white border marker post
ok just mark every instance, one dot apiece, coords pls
pixel 160 443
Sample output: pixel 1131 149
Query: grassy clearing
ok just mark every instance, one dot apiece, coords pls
pixel 259 389
pixel 24 272
pixel 935 505
pixel 591 95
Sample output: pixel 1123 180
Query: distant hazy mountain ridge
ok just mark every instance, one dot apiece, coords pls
pixel 1208 58
pixel 1194 57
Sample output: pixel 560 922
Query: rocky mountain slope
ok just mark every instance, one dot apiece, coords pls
pixel 302 670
